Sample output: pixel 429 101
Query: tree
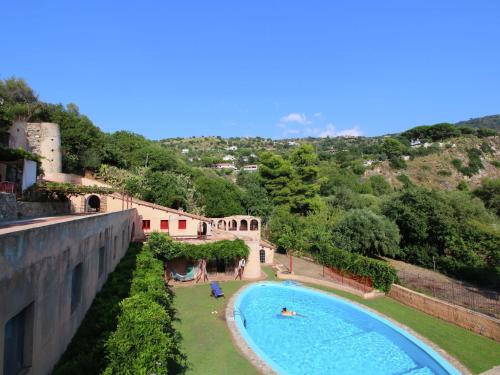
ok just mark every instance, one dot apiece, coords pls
pixel 219 196
pixel 276 174
pixel 489 193
pixel 304 186
pixel 362 231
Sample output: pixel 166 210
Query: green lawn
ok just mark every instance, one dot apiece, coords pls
pixel 207 341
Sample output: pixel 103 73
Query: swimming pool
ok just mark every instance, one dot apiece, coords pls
pixel 333 337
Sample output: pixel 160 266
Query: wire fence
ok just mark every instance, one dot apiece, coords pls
pixel 455 292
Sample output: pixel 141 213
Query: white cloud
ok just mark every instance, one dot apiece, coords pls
pixel 299 118
pixel 318 114
pixel 353 132
pixel 328 131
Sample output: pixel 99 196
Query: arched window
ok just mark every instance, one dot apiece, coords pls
pixel 93 204
pixel 254 225
pixel 233 225
pixel 243 225
pixel 262 255
pixel 221 225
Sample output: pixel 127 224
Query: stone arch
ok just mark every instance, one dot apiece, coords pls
pixel 254 224
pixel 262 256
pixel 243 225
pixel 233 225
pixel 221 224
pixel 93 203
pixel 204 229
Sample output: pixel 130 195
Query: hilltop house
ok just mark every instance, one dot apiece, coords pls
pixel 225 166
pixel 250 168
pixel 229 158
pixel 185 151
pixel 232 148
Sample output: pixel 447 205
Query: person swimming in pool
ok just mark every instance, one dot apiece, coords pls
pixel 286 312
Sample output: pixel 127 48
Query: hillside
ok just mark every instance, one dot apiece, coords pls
pixel 492 122
pixel 436 170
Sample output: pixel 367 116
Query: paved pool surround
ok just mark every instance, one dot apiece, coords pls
pixel 264 367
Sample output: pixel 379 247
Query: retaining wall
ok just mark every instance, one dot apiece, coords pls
pixel 49 275
pixel 465 318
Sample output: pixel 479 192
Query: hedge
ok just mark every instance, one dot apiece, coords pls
pixel 382 274
pixel 145 341
pixel 167 249
pixel 86 352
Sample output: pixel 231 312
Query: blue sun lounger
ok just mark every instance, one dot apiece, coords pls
pixel 216 290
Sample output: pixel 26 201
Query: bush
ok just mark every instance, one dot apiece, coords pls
pixel 362 231
pixel 145 341
pixel 165 248
pixel 382 274
pixel 444 172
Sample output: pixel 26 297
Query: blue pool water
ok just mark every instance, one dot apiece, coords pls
pixel 334 337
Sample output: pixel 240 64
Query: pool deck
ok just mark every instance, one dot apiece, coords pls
pixel 264 368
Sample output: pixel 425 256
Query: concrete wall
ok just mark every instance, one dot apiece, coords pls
pixel 465 318
pixel 17 136
pixel 36 267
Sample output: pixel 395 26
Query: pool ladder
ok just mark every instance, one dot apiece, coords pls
pixel 238 312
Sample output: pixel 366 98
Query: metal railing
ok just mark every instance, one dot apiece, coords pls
pixel 349 279
pixel 9 187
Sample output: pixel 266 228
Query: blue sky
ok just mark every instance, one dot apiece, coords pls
pixel 263 67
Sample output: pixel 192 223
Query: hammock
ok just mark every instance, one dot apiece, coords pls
pixel 187 277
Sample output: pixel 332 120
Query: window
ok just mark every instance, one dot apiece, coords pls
pixel 262 255
pixel 76 286
pixel 146 224
pixel 115 246
pixel 18 344
pixel 182 224
pixel 101 260
pixel 164 224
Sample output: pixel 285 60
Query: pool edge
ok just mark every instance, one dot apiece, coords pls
pixel 260 363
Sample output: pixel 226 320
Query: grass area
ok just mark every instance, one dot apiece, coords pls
pixel 474 351
pixel 208 343
pixel 206 338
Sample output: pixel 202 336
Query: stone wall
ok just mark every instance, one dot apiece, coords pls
pixel 8 206
pixel 39 264
pixel 41 209
pixel 44 139
pixel 465 318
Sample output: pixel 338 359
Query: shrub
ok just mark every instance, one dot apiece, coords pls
pixel 397 163
pixel 444 172
pixel 145 341
pixel 382 274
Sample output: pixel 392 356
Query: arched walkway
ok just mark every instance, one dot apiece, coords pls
pixel 243 225
pixel 93 204
pixel 221 225
pixel 233 225
pixel 254 225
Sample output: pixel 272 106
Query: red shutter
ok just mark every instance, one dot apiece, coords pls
pixel 146 224
pixel 164 224
pixel 182 224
